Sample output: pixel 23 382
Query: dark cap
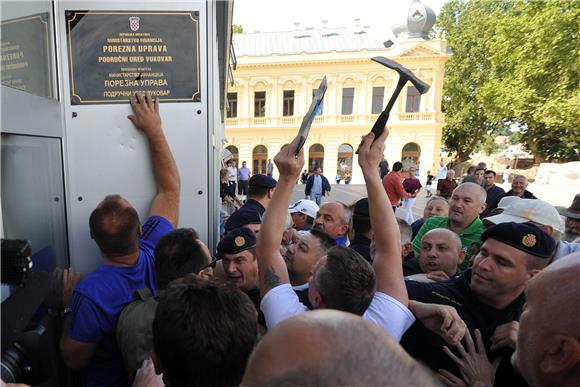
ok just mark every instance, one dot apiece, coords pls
pixel 361 208
pixel 263 181
pixel 525 237
pixel 242 217
pixel 236 241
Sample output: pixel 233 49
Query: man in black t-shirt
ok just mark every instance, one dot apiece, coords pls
pixel 384 168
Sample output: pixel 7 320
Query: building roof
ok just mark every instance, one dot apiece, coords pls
pixel 308 41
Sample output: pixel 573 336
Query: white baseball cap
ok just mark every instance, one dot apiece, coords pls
pixel 304 206
pixel 507 201
pixel 530 210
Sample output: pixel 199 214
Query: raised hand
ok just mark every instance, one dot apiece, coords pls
pixel 370 150
pixel 289 165
pixel 146 113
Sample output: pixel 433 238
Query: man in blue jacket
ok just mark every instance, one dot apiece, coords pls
pixel 317 186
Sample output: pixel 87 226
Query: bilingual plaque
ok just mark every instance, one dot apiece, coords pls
pixel 113 54
pixel 25 62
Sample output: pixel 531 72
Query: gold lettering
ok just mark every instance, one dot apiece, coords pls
pixel 168 58
pixel 153 82
pixel 119 49
pixel 156 48
pixel 113 59
pixel 121 83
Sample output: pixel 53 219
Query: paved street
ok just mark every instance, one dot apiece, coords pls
pixel 557 195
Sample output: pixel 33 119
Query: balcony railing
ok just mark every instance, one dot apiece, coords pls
pixel 259 121
pixel 288 120
pixel 419 116
pixel 231 122
pixel 351 119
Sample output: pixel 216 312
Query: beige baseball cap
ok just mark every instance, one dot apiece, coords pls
pixel 530 210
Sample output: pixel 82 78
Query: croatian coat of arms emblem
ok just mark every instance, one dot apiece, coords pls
pixel 134 23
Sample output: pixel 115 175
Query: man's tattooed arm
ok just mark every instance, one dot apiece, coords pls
pixel 271 279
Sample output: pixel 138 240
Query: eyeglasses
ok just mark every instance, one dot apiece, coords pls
pixel 212 264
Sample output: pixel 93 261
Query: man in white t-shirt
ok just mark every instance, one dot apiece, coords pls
pixel 342 279
pixel 442 173
pixel 232 176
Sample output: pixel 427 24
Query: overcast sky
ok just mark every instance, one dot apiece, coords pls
pixel 278 15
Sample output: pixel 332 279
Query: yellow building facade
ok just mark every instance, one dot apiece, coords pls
pixel 273 86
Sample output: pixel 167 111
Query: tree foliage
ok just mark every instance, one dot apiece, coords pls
pixel 466 25
pixel 237 28
pixel 514 61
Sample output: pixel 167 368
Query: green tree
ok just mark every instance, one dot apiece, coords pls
pixel 468 26
pixel 237 29
pixel 534 77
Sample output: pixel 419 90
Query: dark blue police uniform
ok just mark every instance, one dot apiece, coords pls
pixel 427 347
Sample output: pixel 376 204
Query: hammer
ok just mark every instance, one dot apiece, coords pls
pixel 404 76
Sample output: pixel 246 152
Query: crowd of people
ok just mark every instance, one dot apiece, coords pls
pixel 309 294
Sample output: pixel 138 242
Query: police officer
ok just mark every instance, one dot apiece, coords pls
pixel 259 196
pixel 488 297
pixel 237 254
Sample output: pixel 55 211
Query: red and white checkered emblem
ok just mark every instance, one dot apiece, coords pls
pixel 134 23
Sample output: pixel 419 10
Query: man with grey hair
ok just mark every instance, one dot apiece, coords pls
pixel 465 205
pixel 519 185
pixel 333 219
pixel 305 351
pixel 446 186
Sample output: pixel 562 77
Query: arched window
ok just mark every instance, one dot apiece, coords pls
pixel 315 157
pixel 410 155
pixel 259 159
pixel 344 162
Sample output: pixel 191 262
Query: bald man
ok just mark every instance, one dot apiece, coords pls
pixel 548 346
pixel 304 351
pixel 466 203
pixel 438 260
pixel 333 219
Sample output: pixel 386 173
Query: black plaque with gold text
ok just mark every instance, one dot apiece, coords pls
pixel 26 63
pixel 113 54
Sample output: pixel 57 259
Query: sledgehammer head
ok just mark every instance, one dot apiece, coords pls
pixel 404 73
